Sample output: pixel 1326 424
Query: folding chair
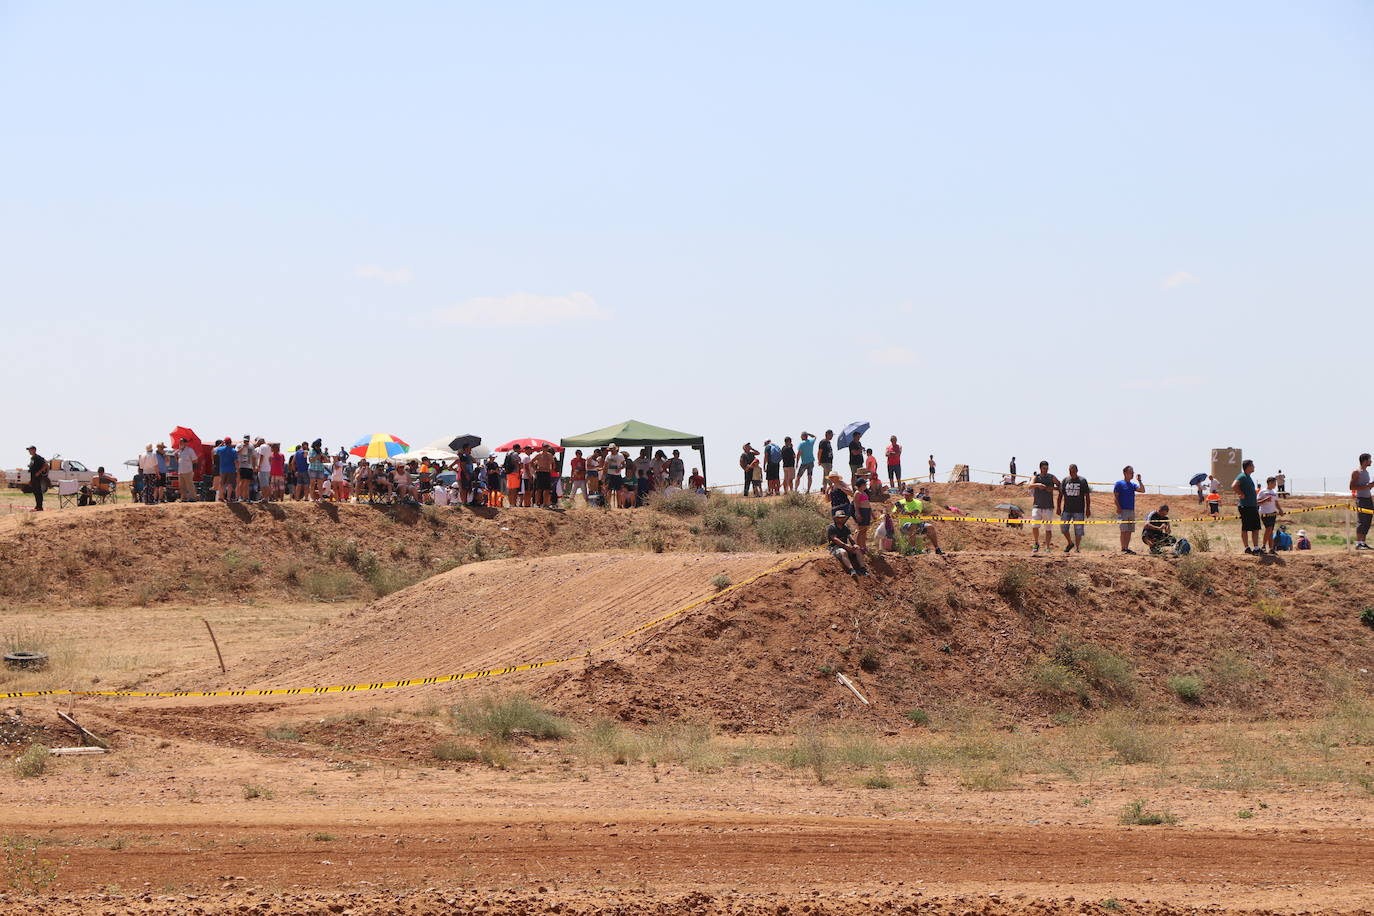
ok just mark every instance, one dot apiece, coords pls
pixel 67 492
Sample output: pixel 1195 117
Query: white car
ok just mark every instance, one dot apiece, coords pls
pixel 62 469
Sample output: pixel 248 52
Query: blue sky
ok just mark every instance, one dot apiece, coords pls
pixel 1078 231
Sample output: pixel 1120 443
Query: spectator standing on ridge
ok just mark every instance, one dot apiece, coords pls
pixel 276 473
pixel 186 470
pixel 38 477
pixel 789 465
pixel 772 456
pixel 164 468
pixel 262 462
pixel 1248 506
pixel 825 455
pixel 840 542
pixel 578 466
pixel 746 463
pixel 1123 495
pixel 856 458
pixel 543 464
pixel 1281 482
pixel 1074 505
pixel 806 461
pixel 931 464
pixel 1269 510
pixel 245 469
pixel 1364 500
pixel 615 476
pixel 1013 469
pixel 894 463
pixel 147 466
pixel 227 460
pixel 871 469
pixel 1044 485
pixel 677 469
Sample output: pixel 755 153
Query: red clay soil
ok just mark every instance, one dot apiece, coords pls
pixel 924 632
pixel 677 864
pixel 931 633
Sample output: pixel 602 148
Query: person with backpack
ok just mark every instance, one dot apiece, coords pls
pixel 772 466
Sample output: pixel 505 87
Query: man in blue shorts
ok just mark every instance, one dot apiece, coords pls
pixel 1123 495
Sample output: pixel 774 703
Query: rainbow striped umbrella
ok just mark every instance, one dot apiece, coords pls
pixel 379 445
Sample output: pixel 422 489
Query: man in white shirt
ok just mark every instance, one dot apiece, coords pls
pixel 186 470
pixel 1269 510
pixel 147 463
pixel 262 463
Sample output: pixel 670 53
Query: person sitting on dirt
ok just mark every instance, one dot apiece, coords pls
pixel 840 494
pixel 1156 534
pixel 910 507
pixel 840 543
pixel 1303 542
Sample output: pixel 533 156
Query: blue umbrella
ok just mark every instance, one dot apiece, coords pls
pixel 1197 479
pixel 857 428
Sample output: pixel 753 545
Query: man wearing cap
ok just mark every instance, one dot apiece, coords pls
pixel 147 466
pixel 262 465
pixel 186 469
pixel 245 467
pixel 911 507
pixel 840 543
pixel 615 475
pixel 38 477
pixel 226 461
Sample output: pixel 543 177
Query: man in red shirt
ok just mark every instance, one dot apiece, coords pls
pixel 579 476
pixel 894 463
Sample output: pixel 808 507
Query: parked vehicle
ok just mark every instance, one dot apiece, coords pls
pixel 62 469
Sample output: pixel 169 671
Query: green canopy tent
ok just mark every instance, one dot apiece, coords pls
pixel 633 432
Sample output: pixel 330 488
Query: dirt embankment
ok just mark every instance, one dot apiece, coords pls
pixel 202 553
pixel 1207 637
pixel 1028 637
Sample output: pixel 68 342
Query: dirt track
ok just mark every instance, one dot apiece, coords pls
pixel 679 854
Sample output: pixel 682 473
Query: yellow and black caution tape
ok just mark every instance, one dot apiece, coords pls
pixel 417 681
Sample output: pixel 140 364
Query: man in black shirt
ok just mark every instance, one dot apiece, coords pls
pixel 825 454
pixel 1156 533
pixel 1044 486
pixel 789 465
pixel 856 458
pixel 840 543
pixel 1074 504
pixel 38 477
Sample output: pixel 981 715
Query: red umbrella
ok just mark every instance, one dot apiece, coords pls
pixel 535 444
pixel 203 450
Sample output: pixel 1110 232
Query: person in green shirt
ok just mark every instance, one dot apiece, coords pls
pixel 1248 507
pixel 910 505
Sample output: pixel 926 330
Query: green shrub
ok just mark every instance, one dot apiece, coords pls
pixel 283 733
pixel 720 519
pixel 870 661
pixel 1271 612
pixel 251 791
pixel 1135 814
pixel 798 501
pixel 790 528
pixel 1133 742
pixel 454 751
pixel 1098 666
pixel 1187 687
pixel 811 750
pixel 1193 573
pixel 1014 580
pixel 681 503
pixel 33 762
pixel 879 780
pixel 720 581
pixel 918 717
pixel 328 585
pixel 1053 679
pixel 499 719
pixel 1367 617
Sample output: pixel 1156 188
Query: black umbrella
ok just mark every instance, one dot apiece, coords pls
pixel 461 442
pixel 1197 479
